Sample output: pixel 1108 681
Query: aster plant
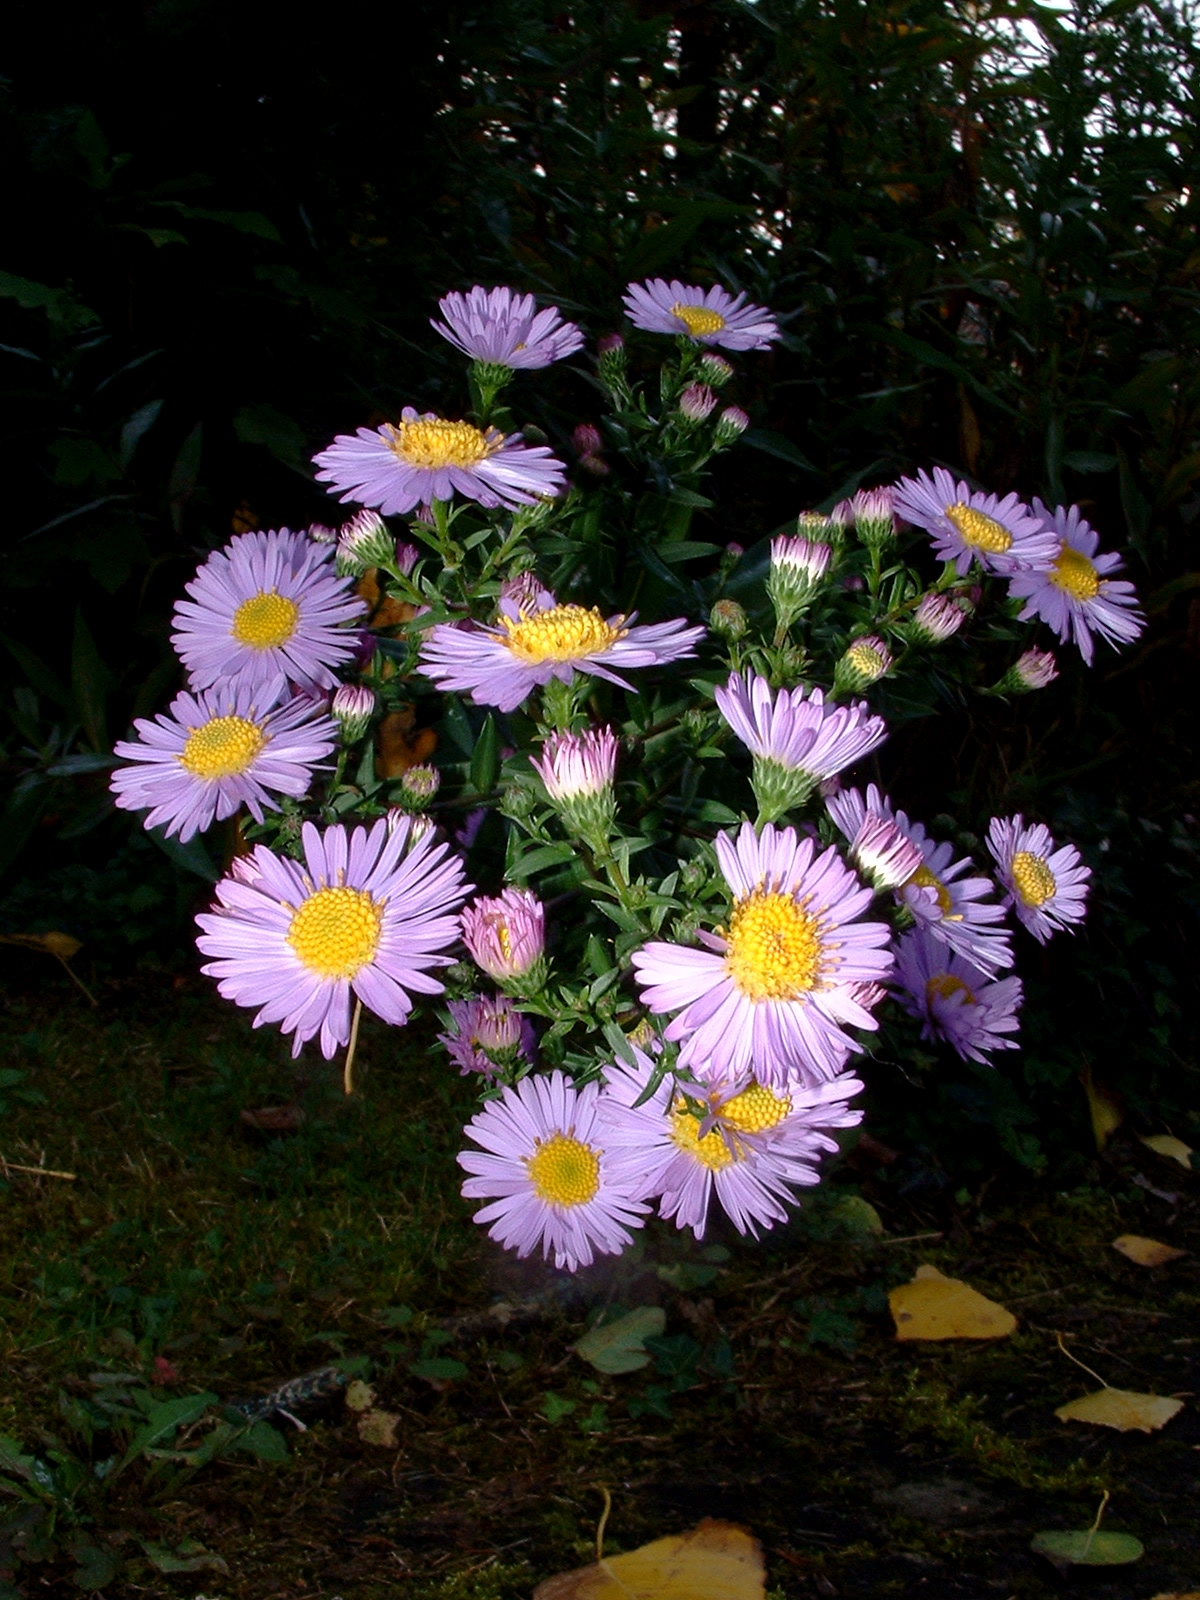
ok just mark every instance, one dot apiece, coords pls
pixel 513 742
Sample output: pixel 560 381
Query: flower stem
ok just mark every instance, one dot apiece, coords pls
pixel 348 1069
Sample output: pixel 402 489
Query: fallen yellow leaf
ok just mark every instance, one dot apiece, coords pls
pixel 1121 1409
pixel 1106 1112
pixel 54 944
pixel 936 1307
pixel 379 1428
pixel 360 1396
pixel 1165 1144
pixel 1176 1594
pixel 715 1561
pixel 1146 1252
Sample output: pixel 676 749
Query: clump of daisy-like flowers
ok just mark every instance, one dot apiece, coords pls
pixel 604 796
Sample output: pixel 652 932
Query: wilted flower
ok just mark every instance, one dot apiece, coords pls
pixel 506 937
pixel 771 994
pixel 967 525
pixel 545 1171
pixel 367 912
pixel 1076 594
pixel 353 707
pixel 706 316
pixel 504 329
pixel 1046 887
pixel 954 999
pixel 218 750
pixel 426 457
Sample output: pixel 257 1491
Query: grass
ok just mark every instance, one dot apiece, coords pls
pixel 194 1252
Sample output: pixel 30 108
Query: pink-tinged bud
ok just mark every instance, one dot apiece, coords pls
pixel 578 765
pixel 697 402
pixel 864 662
pixel 842 515
pixel 802 556
pixel 729 619
pixel 487 1035
pixel 731 424
pixel 352 707
pixel 936 618
pixel 884 856
pixel 714 369
pixel 610 344
pixel 874 517
pixel 364 542
pixel 407 556
pixel 523 591
pixel 734 551
pixel 1035 668
pixel 506 935
pixel 320 534
pixel 419 785
pixel 798 568
pixel 587 440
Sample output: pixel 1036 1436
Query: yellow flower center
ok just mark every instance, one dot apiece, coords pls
pixel 947 987
pixel 756 1109
pixel 1075 575
pixel 564 633
pixel 265 621
pixel 222 747
pixel 564 1171
pixel 774 947
pixel 698 319
pixel 712 1151
pixel 924 879
pixel 866 660
pixel 1033 879
pixel 336 932
pixel 434 442
pixel 978 531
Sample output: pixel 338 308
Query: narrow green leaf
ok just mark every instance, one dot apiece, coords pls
pixel 485 762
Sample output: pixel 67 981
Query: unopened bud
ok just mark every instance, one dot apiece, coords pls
pixel 714 369
pixel 586 439
pixel 864 662
pixel 731 424
pixel 364 542
pixel 936 618
pixel 885 856
pixel 352 708
pixel 874 518
pixel 1032 670
pixel 697 402
pixel 728 618
pixel 418 786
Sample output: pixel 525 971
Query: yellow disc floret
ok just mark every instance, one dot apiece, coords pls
pixel 222 747
pixel 432 442
pixel 265 621
pixel 698 319
pixel 564 1171
pixel 1075 575
pixel 756 1109
pixel 924 879
pixel 946 987
pixel 564 633
pixel 979 531
pixel 866 660
pixel 712 1151
pixel 1032 878
pixel 336 932
pixel 774 947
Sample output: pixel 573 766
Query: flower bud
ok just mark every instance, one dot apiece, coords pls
pixel 611 366
pixel 1032 670
pixel 883 855
pixel 587 440
pixel 506 938
pixel 874 518
pixel 364 542
pixel 320 534
pixel 728 618
pixel 731 424
pixel 577 770
pixel 697 402
pixel 865 661
pixel 798 567
pixel 487 1035
pixel 418 787
pixel 714 369
pixel 352 709
pixel 935 619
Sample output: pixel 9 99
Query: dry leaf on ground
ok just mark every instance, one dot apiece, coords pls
pixel 1087 1548
pixel 54 944
pixel 379 1428
pixel 1146 1252
pixel 619 1346
pixel 936 1307
pixel 360 1396
pixel 1122 1409
pixel 1165 1144
pixel 1106 1112
pixel 715 1561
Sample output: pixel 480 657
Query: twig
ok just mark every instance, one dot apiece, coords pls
pixel 42 1172
pixel 1090 1374
pixel 603 1523
pixel 911 1238
pixel 348 1071
pixel 75 978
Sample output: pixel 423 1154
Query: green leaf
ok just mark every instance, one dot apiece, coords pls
pixel 485 763
pixel 774 444
pixel 275 431
pixel 250 222
pixel 60 305
pixel 619 1346
pixel 442 1368
pixel 38 673
pixel 1088 461
pixel 188 1556
pixel 90 683
pixel 686 550
pixel 163 1422
pixel 555 1408
pixel 686 1275
pixel 96 1568
pixel 263 1442
pixel 549 855
pixel 1089 1548
pixel 192 856
pixel 856 1216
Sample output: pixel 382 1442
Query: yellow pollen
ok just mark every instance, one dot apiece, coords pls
pixel 774 947
pixel 1034 881
pixel 924 879
pixel 978 531
pixel 756 1109
pixel 336 932
pixel 1075 575
pixel 265 621
pixel 564 1171
pixel 947 987
pixel 868 661
pixel 222 747
pixel 712 1151
pixel 564 633
pixel 434 442
pixel 698 319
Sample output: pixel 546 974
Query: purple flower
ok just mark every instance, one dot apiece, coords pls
pixel 795 738
pixel 486 1034
pixel 426 457
pixel 532 643
pixel 1047 888
pixel 220 749
pixel 1076 594
pixel 967 525
pixel 505 935
pixel 544 1168
pixel 954 999
pixel 362 915
pixel 505 329
pixel 266 606
pixel 578 766
pixel 770 994
pixel 948 905
pixel 748 1146
pixel 884 854
pixel 706 316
